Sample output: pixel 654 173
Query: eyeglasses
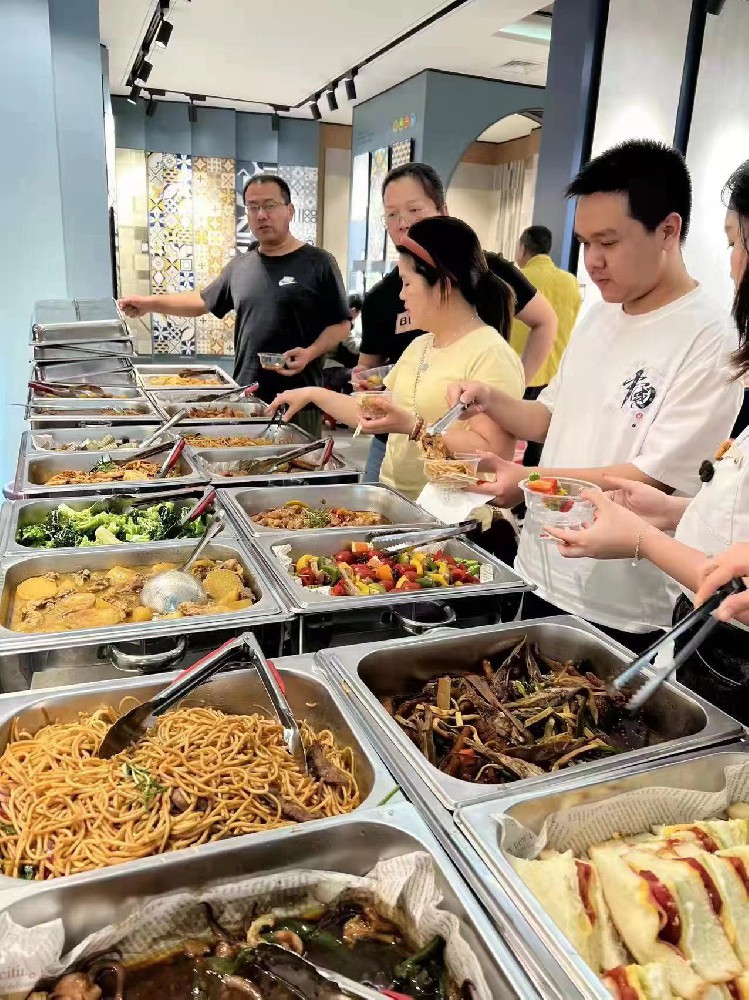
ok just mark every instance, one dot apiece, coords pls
pixel 410 216
pixel 266 206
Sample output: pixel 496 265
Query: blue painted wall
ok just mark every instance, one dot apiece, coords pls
pixel 373 119
pixel 459 108
pixel 217 132
pixel 55 242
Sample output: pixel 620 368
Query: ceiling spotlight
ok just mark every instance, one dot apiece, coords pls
pixel 192 113
pixel 164 34
pixel 332 101
pixel 151 107
pixel 350 86
pixel 275 122
pixel 164 5
pixel 315 111
pixel 132 97
pixel 143 71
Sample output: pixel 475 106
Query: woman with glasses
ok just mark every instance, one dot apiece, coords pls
pixel 410 193
pixel 448 290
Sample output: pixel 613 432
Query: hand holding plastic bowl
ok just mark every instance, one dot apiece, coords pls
pixel 558 502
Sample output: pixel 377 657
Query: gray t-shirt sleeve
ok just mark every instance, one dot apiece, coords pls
pixel 332 293
pixel 218 296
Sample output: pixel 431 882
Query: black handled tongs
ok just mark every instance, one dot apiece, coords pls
pixel 660 675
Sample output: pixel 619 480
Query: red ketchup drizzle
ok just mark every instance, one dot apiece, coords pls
pixel 733 989
pixel 740 869
pixel 670 931
pixel 706 841
pixel 584 875
pixel 710 888
pixel 624 991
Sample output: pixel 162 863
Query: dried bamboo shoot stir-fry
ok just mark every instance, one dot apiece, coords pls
pixel 527 716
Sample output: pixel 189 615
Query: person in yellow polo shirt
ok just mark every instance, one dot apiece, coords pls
pixel 563 292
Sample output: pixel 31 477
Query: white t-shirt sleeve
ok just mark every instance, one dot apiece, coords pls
pixel 697 415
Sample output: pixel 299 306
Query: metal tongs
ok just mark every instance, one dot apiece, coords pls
pixel 262 466
pixel 172 422
pixel 216 397
pixel 69 390
pixel 136 723
pixel 143 453
pixel 402 540
pixel 661 674
pixel 453 414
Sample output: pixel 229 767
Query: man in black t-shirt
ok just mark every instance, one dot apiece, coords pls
pixel 288 298
pixel 410 193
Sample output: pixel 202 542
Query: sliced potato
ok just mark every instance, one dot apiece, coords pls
pixel 235 605
pixel 222 585
pixel 121 576
pixel 36 588
pixel 141 614
pixel 162 567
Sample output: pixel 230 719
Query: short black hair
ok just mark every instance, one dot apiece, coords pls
pixel 269 179
pixel 536 240
pixel 654 177
pixel 355 301
pixel 427 176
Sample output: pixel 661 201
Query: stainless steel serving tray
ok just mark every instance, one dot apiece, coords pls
pixel 681 720
pixel 327 543
pixel 169 403
pixel 285 434
pixel 25 512
pixel 209 459
pixel 133 434
pixel 483 827
pixel 69 352
pixel 242 504
pixel 115 394
pixel 352 844
pixel 72 312
pixel 92 371
pixel 87 413
pixel 77 333
pixel 147 372
pixel 34 469
pixel 235 692
pixel 14 569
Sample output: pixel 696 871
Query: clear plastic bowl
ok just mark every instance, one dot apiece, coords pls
pixel 368 402
pixel 272 362
pixel 460 472
pixel 560 510
pixel 371 379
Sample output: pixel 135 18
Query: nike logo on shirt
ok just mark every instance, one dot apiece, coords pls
pixel 288 280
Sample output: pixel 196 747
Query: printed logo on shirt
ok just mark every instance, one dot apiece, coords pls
pixel 288 280
pixel 639 391
pixel 403 323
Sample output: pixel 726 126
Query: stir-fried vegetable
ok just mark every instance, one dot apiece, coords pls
pixel 529 715
pixel 363 570
pixel 68 528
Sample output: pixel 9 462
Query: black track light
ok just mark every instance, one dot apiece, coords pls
pixel 132 97
pixel 192 113
pixel 350 87
pixel 164 34
pixel 315 111
pixel 332 100
pixel 151 107
pixel 275 122
pixel 143 71
pixel 164 5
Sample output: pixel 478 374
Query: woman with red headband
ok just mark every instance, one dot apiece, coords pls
pixel 446 282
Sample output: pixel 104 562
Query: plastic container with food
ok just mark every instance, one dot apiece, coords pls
pixel 371 379
pixel 558 502
pixel 371 403
pixel 272 362
pixel 458 472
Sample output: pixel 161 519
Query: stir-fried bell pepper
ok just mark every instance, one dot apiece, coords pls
pixel 365 570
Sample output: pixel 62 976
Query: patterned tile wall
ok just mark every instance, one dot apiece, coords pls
pixel 376 229
pixel 303 184
pixel 214 239
pixel 133 268
pixel 171 245
pixel 400 153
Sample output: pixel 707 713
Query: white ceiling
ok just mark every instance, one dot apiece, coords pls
pixel 281 52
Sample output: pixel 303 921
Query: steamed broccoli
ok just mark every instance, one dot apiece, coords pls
pixel 68 528
pixel 34 535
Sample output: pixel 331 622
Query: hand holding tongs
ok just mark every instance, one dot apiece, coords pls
pixel 241 393
pixel 262 466
pixel 453 414
pixel 662 674
pixel 400 541
pixel 277 418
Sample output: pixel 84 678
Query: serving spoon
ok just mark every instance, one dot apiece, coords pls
pixel 164 592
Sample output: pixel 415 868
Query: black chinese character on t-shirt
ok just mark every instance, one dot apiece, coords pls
pixel 640 392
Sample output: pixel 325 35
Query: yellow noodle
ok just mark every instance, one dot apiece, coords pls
pixel 64 811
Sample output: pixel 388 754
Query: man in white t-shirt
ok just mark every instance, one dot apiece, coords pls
pixel 643 391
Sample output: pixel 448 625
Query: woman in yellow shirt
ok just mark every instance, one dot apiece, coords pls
pixel 445 280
